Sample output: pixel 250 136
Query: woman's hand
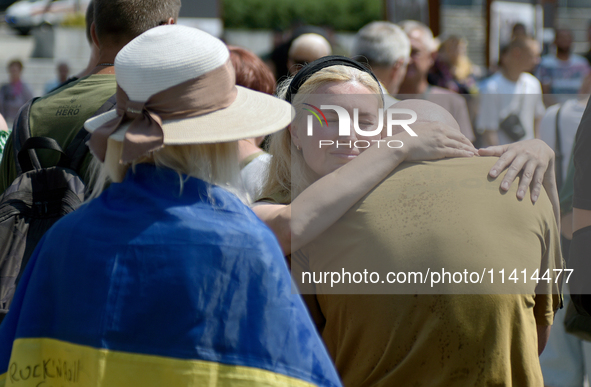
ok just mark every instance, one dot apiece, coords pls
pixel 532 157
pixel 436 141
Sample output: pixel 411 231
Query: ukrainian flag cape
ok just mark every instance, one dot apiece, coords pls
pixel 147 287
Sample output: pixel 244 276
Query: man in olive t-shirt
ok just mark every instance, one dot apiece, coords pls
pixel 62 113
pixel 434 215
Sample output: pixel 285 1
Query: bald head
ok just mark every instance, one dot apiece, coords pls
pixel 305 49
pixel 428 112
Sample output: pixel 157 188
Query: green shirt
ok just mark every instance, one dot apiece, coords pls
pixel 60 115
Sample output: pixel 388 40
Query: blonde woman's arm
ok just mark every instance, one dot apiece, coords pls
pixel 325 201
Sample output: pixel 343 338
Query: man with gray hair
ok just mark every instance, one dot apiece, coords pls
pixel 386 48
pixel 415 84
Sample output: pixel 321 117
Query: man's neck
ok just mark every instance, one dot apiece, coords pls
pixel 563 55
pixel 511 74
pixel 104 65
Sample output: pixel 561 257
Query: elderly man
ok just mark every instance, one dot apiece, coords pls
pixel 61 115
pixel 386 49
pixel 447 217
pixel 415 85
pixel 305 49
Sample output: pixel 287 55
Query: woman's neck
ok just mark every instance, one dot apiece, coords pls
pixel 247 148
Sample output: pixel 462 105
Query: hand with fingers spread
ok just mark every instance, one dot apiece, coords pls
pixel 437 141
pixel 531 160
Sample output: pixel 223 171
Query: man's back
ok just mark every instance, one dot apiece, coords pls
pixel 60 115
pixel 427 216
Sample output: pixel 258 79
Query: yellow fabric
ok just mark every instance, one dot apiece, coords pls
pixel 36 360
pixel 432 213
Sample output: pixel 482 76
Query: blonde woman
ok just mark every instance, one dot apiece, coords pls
pixel 310 187
pixel 166 279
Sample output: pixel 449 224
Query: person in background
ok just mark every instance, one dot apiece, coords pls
pixel 562 72
pixel 415 83
pixel 306 48
pixel 386 49
pixel 277 58
pixel 453 70
pixel 62 77
pixel 561 138
pixel 14 94
pixel 511 91
pixel 252 73
pixel 567 358
pixel 519 31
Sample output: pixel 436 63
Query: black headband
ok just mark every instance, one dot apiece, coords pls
pixel 313 67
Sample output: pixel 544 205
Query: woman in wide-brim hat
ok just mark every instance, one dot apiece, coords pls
pixel 167 278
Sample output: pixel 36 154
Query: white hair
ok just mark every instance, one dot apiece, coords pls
pixel 429 41
pixel 381 43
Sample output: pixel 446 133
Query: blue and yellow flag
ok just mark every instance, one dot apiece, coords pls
pixel 147 287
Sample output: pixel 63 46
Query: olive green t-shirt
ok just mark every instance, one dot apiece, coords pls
pixel 443 212
pixel 60 115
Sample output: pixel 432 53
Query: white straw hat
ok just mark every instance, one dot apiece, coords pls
pixel 172 55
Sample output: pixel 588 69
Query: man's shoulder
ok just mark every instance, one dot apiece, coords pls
pixel 531 82
pixel 74 102
pixel 492 83
pixel 579 60
pixel 548 60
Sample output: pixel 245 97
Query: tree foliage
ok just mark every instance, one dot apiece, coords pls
pixel 342 15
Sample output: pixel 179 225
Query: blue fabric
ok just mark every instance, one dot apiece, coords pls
pixel 145 269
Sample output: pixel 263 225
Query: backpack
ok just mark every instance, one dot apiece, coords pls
pixel 37 198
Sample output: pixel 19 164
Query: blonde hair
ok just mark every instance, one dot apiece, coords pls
pixel 214 163
pixel 288 173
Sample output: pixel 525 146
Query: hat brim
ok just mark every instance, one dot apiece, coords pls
pixel 252 114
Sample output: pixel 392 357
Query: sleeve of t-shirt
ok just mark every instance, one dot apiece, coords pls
pixel 488 114
pixel 582 161
pixel 549 293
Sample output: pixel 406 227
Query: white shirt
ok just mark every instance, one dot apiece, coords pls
pixel 501 97
pixel 254 175
pixel 568 122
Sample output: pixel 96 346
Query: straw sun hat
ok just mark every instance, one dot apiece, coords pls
pixel 176 85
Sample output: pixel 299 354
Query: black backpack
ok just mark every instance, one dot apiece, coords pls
pixel 37 198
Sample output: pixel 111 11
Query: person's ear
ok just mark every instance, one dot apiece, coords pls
pixel 170 21
pixel 294 135
pixel 93 36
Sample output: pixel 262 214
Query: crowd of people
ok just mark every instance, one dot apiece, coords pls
pixel 160 254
